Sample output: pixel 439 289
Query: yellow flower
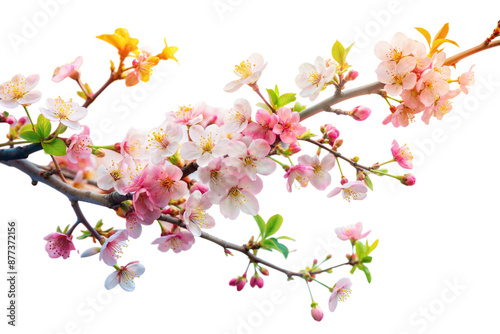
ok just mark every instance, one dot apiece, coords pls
pixel 122 41
pixel 168 52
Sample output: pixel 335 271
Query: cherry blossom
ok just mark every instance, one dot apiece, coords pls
pixel 142 68
pixel 400 47
pixel 431 84
pixel 249 72
pixel 164 183
pixel 263 126
pixel 163 141
pixel 59 244
pixel 351 191
pixel 217 174
pixel 441 106
pixel 237 118
pixel 300 173
pixel 466 79
pixel 18 91
pixel 341 291
pixel 312 78
pixel 134 224
pixel 402 155
pixel 125 276
pixel 187 115
pixel 116 172
pixel 79 146
pixel 195 214
pixel 397 76
pixel 68 70
pixel 145 209
pixel 320 179
pixel 180 241
pixel 206 144
pixel 351 232
pixel 251 160
pixel 288 127
pixel 111 250
pixel 360 113
pixel 68 113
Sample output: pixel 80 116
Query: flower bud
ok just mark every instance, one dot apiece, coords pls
pixel 352 75
pixel 343 180
pixel 100 153
pixel 331 132
pixel 241 283
pixel 227 252
pixel 360 113
pixel 10 120
pixel 407 179
pixel 294 148
pixel 253 280
pixel 232 282
pixel 316 312
pixel 264 271
pixel 337 143
pixel 259 281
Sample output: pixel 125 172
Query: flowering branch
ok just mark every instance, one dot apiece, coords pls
pixel 21 152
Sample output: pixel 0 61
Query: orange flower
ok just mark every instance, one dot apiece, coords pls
pixel 122 41
pixel 168 52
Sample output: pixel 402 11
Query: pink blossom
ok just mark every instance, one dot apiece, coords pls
pixel 206 144
pixel 163 141
pixel 402 155
pixel 59 244
pixel 403 116
pixel 263 126
pixel 316 312
pixel 111 250
pixel 145 209
pixel 195 214
pixel 431 84
pixel 116 172
pixel 397 76
pixel 237 118
pixel 331 132
pixel 251 160
pixel 68 70
pixel 142 68
pixel 288 127
pixel 256 280
pixel 360 113
pixel 312 78
pixel 187 115
pixel 79 146
pixel 164 183
pixel 199 186
pixel 134 223
pixel 18 91
pixel 236 196
pixel 248 71
pixel 321 178
pixel 125 276
pixel 351 191
pixel 211 115
pixel 351 232
pixel 180 241
pixel 66 112
pixel 441 106
pixel 400 47
pixel 218 174
pixel 134 145
pixel 466 79
pixel 300 173
pixel 341 291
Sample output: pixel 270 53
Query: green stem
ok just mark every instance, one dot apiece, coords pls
pixel 338 164
pixel 13 143
pixel 389 97
pixel 27 113
pixel 382 173
pixel 279 163
pixel 310 293
pixel 117 267
pixel 108 147
pixel 387 162
pixel 326 286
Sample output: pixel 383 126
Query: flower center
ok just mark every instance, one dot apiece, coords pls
pixel 63 110
pixel 207 143
pixel 405 153
pixel 199 216
pixel 159 139
pixel 244 69
pixel 16 88
pixel 350 194
pixel 167 183
pixel 344 294
pixel 314 77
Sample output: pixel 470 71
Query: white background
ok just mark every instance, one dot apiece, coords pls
pixel 440 233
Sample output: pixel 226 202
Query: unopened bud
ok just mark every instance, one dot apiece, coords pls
pixel 331 132
pixel 337 143
pixel 316 312
pixel 407 179
pixel 264 271
pixel 360 113
pixel 355 159
pixel 352 75
pixel 227 252
pixel 100 153
pixel 344 180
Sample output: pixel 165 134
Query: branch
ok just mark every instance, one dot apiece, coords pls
pixel 453 60
pixel 21 152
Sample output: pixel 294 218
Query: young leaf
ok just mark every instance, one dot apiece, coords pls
pixel 272 97
pixel 30 136
pixel 360 250
pixel 261 223
pixel 368 182
pixel 276 90
pixel 285 237
pixel 372 247
pixel 262 105
pixel 280 247
pixel 338 52
pixel 347 51
pixel 367 273
pixel 26 127
pixel 443 32
pixel 43 126
pixel 367 259
pixel 273 225
pixel 56 147
pixel 306 135
pixel 426 34
pixel 285 99
pixel 298 107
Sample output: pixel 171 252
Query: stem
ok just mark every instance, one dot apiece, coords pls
pixel 387 162
pixel 326 286
pixel 453 60
pixel 58 169
pixel 310 293
pixel 338 164
pixel 281 164
pixel 327 269
pixel 83 220
pixel 27 113
pixel 106 84
pixel 70 231
pixel 389 97
pixel 79 82
pixel 9 143
pixel 256 89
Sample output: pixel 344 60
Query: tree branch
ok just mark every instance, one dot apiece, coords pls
pixel 21 152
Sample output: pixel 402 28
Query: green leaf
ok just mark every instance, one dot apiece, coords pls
pixel 360 250
pixel 263 106
pixel 58 229
pixel 285 99
pixel 338 52
pixel 276 90
pixel 287 238
pixel 368 182
pixel 43 126
pixel 99 224
pixel 353 270
pixel 367 259
pixel 272 97
pixel 367 273
pixel 30 136
pixel 273 225
pixel 66 229
pixel 56 147
pixel 306 135
pixel 81 94
pixel 60 130
pixel 280 247
pixel 261 223
pixel 347 52
pixel 26 127
pixel 298 107
pixel 426 34
pixel 372 247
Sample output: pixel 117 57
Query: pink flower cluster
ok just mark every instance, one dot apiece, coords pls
pixel 421 81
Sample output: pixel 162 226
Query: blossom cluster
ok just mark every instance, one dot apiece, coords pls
pixel 420 78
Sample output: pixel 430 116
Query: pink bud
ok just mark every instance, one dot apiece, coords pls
pixel 264 271
pixel 344 180
pixel 331 132
pixel 352 75
pixel 294 148
pixel 241 284
pixel 10 119
pixel 407 179
pixel 253 281
pixel 317 313
pixel 201 187
pixel 360 113
pixel 232 282
pixel 260 282
pixel 228 252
